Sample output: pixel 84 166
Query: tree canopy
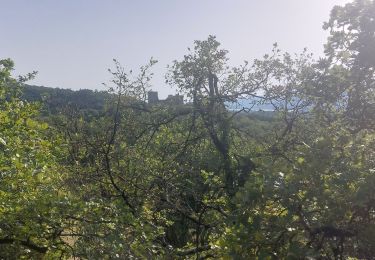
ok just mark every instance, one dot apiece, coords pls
pixel 116 177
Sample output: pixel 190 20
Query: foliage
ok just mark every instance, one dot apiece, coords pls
pixel 32 200
pixel 127 179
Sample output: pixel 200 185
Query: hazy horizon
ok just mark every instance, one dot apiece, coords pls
pixel 72 43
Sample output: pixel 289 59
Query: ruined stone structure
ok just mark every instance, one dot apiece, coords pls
pixel 153 99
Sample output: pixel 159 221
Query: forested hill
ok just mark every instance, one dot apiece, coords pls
pixel 55 99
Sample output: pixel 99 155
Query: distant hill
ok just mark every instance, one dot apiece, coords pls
pixel 55 99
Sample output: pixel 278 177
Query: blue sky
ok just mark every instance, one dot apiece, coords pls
pixel 71 43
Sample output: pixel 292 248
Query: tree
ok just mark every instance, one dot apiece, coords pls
pixel 310 196
pixel 350 60
pixel 32 201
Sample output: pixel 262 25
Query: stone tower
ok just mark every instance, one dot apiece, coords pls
pixel 153 97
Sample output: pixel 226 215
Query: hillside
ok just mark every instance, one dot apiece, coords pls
pixel 55 99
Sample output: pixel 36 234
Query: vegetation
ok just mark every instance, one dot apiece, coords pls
pixel 55 100
pixel 109 176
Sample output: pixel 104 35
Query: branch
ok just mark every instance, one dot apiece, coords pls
pixel 193 250
pixel 26 243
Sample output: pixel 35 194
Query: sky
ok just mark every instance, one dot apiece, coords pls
pixel 72 43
